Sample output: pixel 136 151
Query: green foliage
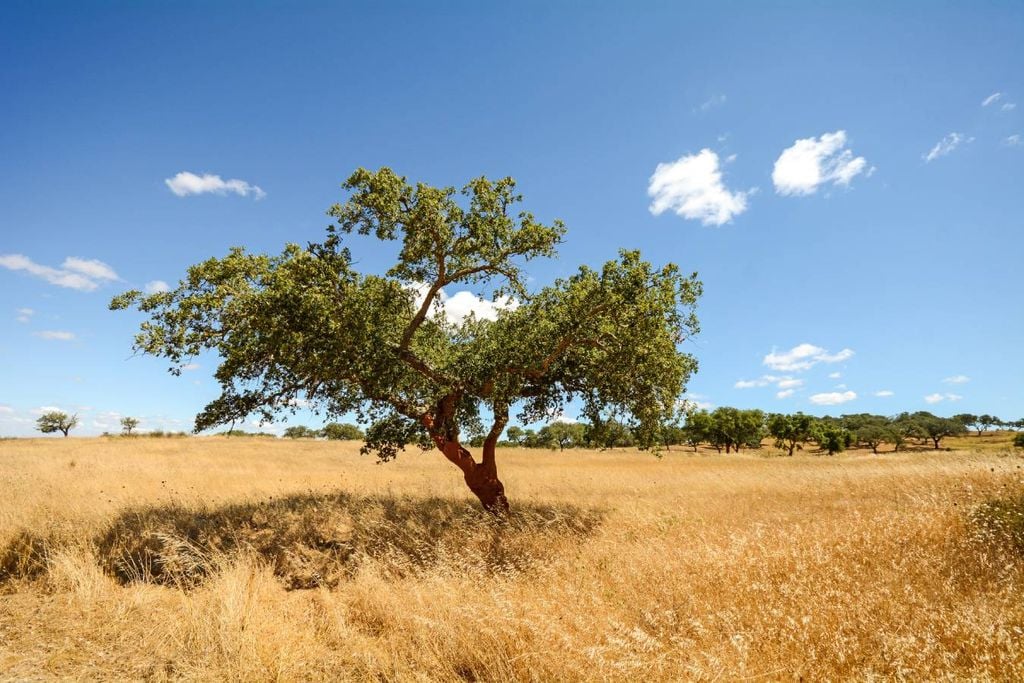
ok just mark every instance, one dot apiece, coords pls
pixel 516 435
pixel 831 437
pixel 563 434
pixel 926 425
pixel 1018 441
pixel 335 431
pixel 128 424
pixel 56 421
pixel 300 432
pixel 306 324
pixel 244 434
pixel 790 431
pixel 735 428
pixel 698 428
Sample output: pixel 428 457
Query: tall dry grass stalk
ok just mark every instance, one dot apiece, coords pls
pixel 227 559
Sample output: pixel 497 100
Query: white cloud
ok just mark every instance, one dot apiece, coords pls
pixel 91 268
pixel 957 379
pixel 6 409
pixel 991 99
pixel 154 286
pixel 833 398
pixel 790 383
pixel 58 335
pixel 186 183
pixel 812 162
pixel 1014 140
pixel 945 146
pixel 458 307
pixel 25 314
pixel 565 419
pixel 190 366
pixel 884 393
pixel 692 187
pixel 835 375
pixel 712 102
pixel 938 398
pixel 695 401
pixel 784 394
pixel 74 273
pixel 1009 106
pixel 803 357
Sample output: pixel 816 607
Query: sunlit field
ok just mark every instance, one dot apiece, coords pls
pixel 253 559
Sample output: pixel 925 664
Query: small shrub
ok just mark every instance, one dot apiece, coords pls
pixel 1018 441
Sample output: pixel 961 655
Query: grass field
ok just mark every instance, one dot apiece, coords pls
pixel 251 559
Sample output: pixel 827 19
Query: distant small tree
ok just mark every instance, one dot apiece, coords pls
pixel 335 431
pixel 56 421
pixel 790 431
pixel 937 428
pixel 300 432
pixel 968 420
pixel 515 434
pixel 697 428
pixel 986 422
pixel 1018 441
pixel 564 434
pixel 128 424
pixel 831 437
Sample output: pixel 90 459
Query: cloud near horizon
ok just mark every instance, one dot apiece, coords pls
pixel 187 183
pixel 692 188
pixel 84 275
pixel 833 398
pixel 812 162
pixel 804 357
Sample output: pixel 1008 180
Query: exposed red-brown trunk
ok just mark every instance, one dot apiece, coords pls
pixel 481 477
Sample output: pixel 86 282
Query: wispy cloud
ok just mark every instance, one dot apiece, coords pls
pixel 884 393
pixel 75 273
pixel 957 379
pixel 803 357
pixel 712 102
pixel 692 187
pixel 155 286
pixel 186 183
pixel 811 162
pixel 938 398
pixel 58 335
pixel 785 393
pixel 833 398
pixel 25 314
pixel 765 380
pixel 945 146
pixel 1008 106
pixel 991 99
pixel 1014 140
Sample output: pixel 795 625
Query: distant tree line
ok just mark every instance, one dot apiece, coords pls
pixel 732 429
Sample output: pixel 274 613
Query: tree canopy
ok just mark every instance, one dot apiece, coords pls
pixel 56 421
pixel 307 325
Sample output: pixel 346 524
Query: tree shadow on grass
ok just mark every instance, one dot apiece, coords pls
pixel 312 540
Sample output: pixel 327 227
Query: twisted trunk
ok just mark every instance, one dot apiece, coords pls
pixel 481 477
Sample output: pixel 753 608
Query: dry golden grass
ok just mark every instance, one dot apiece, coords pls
pixel 181 559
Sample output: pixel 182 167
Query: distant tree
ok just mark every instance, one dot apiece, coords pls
pixel 673 434
pixel 306 323
pixel 937 428
pixel 608 433
pixel 335 431
pixel 986 422
pixel 300 432
pixel 968 420
pixel 1018 441
pixel 736 428
pixel 697 428
pixel 515 434
pixel 128 424
pixel 831 437
pixel 564 434
pixel 790 431
pixel 56 421
pixel 874 435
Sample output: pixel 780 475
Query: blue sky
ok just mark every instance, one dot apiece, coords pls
pixel 847 179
